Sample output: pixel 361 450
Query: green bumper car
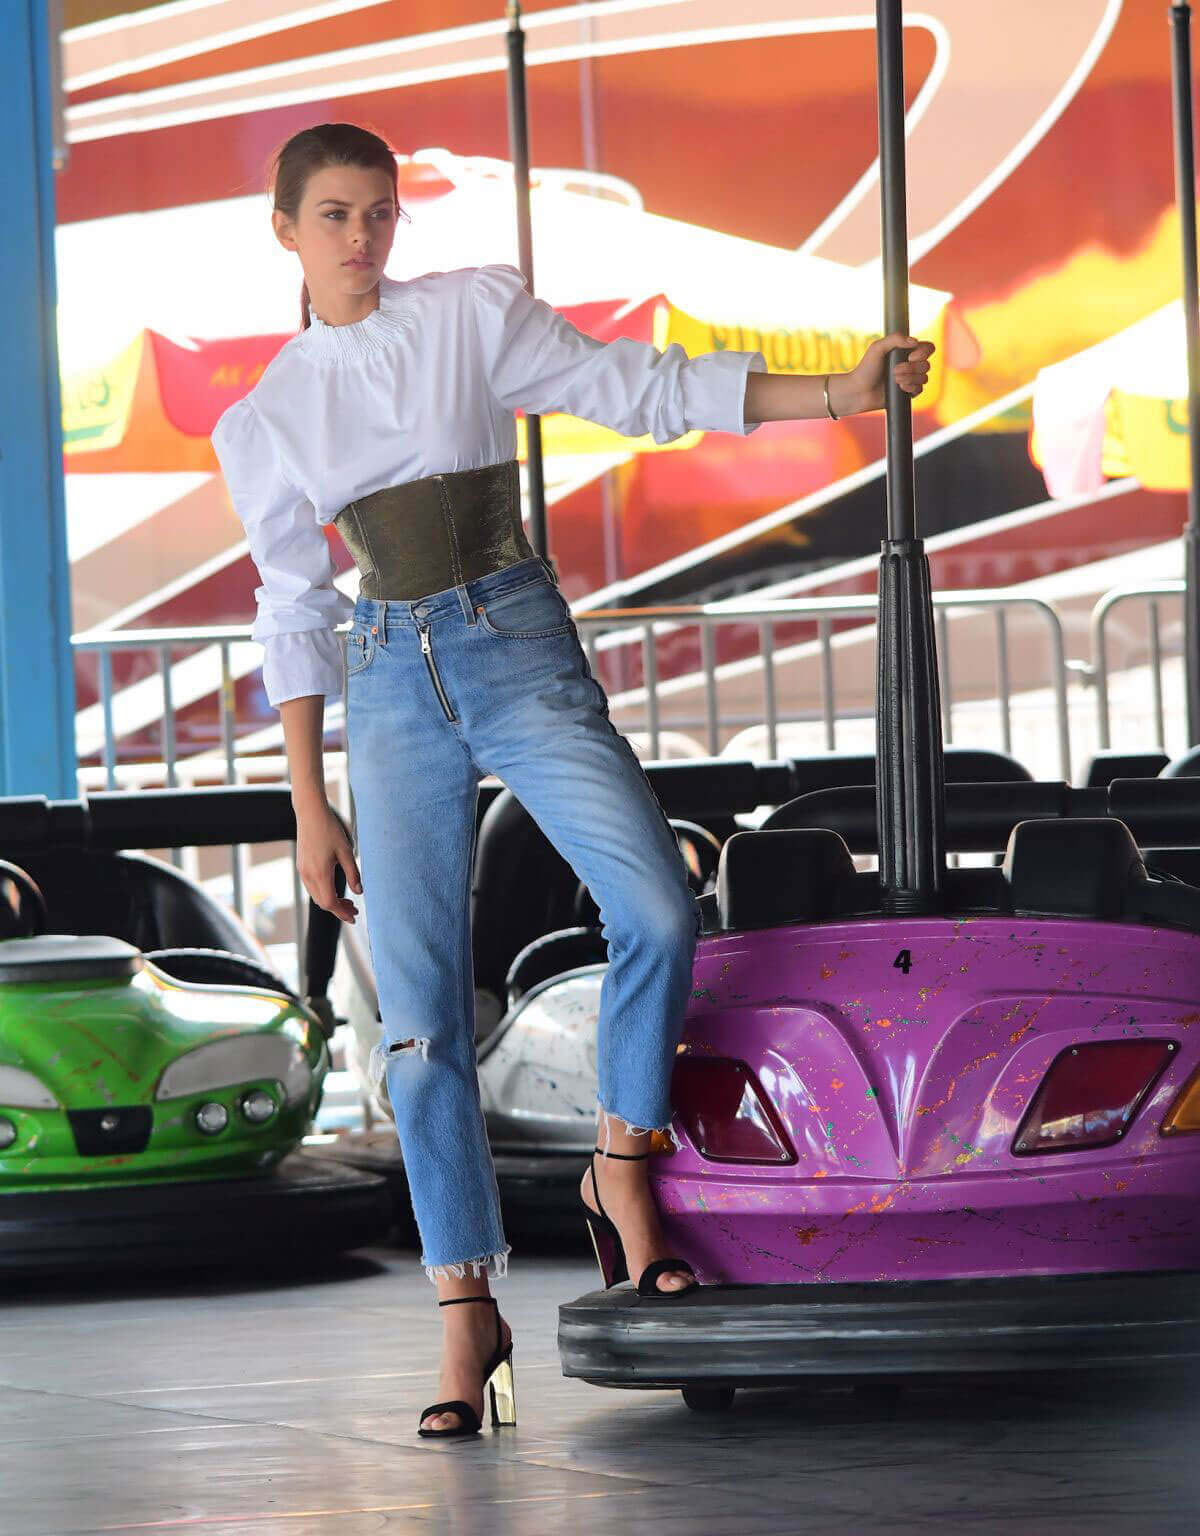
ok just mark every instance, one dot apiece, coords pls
pixel 157 1075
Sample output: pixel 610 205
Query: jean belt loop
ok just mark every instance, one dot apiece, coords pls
pixel 549 568
pixel 464 598
pixel 379 620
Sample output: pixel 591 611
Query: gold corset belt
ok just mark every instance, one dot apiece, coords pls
pixel 411 540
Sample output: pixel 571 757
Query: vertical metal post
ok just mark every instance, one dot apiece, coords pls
pixel 106 704
pixel 299 914
pixel 1185 197
pixel 910 798
pixel 828 704
pixel 170 745
pixel 650 679
pixel 1156 677
pixel 709 662
pixel 229 741
pixel 945 684
pixel 1003 683
pixel 518 141
pixel 1100 673
pixel 37 681
pixel 766 645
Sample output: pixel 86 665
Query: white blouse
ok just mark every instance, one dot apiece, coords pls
pixel 425 384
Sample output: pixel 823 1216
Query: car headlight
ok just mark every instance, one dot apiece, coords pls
pixel 21 1090
pixel 212 1118
pixel 239 1059
pixel 8 1133
pixel 258 1106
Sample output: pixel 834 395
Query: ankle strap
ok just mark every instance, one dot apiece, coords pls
pixel 453 1301
pixel 625 1157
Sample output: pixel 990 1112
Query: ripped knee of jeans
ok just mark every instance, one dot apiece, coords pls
pixel 385 1051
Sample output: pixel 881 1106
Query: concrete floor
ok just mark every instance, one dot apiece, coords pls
pixel 290 1405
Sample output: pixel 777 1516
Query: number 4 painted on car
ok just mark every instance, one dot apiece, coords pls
pixel 903 961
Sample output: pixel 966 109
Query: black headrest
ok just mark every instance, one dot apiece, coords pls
pixel 787 875
pixel 67 957
pixel 1108 764
pixel 1072 868
pixel 1185 767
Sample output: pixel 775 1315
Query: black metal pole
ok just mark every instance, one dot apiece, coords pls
pixel 910 793
pixel 518 142
pixel 1185 197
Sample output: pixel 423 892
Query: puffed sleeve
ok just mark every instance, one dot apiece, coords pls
pixel 298 605
pixel 537 361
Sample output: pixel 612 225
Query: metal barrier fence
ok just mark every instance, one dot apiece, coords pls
pixel 1151 593
pixel 602 629
pixel 641 708
pixel 229 768
pixel 651 623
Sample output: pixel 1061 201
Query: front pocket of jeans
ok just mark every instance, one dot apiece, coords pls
pixel 536 609
pixel 360 649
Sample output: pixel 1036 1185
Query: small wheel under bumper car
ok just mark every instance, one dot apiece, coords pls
pixel 305 1208
pixel 730 1336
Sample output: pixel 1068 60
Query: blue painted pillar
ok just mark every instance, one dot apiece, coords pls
pixel 37 689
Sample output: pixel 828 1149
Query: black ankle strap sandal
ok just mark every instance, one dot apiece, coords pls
pixel 610 1251
pixel 497 1382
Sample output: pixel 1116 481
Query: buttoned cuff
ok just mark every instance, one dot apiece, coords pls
pixel 306 661
pixel 715 391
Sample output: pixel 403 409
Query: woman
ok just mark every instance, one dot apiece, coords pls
pixel 391 414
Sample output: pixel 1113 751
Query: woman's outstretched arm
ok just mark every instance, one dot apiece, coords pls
pixel 795 397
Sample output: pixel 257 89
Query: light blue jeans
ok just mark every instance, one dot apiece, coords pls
pixel 489 677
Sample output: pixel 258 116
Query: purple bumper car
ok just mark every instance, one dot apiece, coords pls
pixel 960 1142
pixel 930 1118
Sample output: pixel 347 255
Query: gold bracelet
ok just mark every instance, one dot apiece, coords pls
pixel 828 407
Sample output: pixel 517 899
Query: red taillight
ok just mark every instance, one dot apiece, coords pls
pixel 725 1112
pixel 1090 1095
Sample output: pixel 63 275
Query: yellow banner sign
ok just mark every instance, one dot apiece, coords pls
pixel 1147 437
pixel 562 434
pixel 96 403
pixel 803 351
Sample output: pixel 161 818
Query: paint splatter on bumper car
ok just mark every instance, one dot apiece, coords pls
pixel 962 1142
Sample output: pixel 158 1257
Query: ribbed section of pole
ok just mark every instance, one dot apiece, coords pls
pixel 910 796
pixel 1185 197
pixel 518 140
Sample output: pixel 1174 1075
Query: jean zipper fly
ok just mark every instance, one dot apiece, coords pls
pixel 427 652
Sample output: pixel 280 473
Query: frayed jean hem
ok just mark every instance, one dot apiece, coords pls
pixel 635 1130
pixel 494 1265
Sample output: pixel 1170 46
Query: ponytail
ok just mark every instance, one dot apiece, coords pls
pixel 305 315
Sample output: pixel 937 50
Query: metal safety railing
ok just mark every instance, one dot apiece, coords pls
pixel 162 643
pixel 1152 594
pixel 190 664
pixel 651 623
pixel 227 766
pixel 603 629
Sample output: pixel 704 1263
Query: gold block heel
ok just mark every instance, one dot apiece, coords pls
pixel 503 1394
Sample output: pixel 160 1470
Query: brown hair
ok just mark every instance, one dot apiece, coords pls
pixel 312 149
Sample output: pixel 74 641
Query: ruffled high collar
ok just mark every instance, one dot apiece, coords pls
pixel 374 333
